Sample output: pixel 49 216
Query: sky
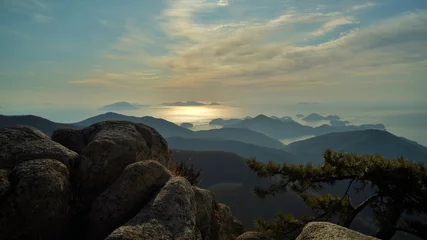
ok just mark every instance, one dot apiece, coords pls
pixel 241 52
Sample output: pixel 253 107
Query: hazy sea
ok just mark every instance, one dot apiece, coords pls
pixel 406 121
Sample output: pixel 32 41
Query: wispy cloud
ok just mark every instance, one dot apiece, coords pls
pixel 317 47
pixel 111 79
pixel 92 82
pixel 41 18
pixel 223 3
pixel 37 10
pixel 362 6
pixel 333 24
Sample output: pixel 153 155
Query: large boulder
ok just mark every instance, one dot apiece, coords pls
pixel 125 198
pixel 170 215
pixel 330 231
pixel 107 148
pixel 205 205
pixel 252 236
pixel 229 226
pixel 22 143
pixel 36 205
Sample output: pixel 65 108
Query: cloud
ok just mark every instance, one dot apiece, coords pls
pixel 92 82
pixel 362 6
pixel 189 103
pixel 37 10
pixel 298 50
pixel 112 79
pixel 105 23
pixel 333 24
pixel 245 56
pixel 223 3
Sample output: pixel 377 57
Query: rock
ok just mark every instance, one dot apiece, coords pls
pixel 22 143
pixel 171 215
pixel 71 138
pixel 37 204
pixel 107 148
pixel 186 125
pixel 252 236
pixel 4 183
pixel 125 198
pixel 329 231
pixel 205 202
pixel 229 226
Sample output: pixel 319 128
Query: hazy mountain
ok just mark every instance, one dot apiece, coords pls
pixel 165 128
pixel 120 106
pixel 363 142
pixel 39 123
pixel 186 125
pixel 281 129
pixel 227 175
pixel 300 116
pixel 169 129
pixel 241 135
pixel 324 129
pixel 284 119
pixel 224 122
pixel 246 150
pixel 339 123
pixel 314 117
pixel 274 128
pixel 188 103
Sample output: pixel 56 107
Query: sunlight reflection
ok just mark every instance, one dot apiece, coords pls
pixel 194 113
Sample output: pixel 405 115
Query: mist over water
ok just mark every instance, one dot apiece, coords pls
pixel 405 121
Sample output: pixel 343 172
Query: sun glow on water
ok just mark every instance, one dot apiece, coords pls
pixel 194 114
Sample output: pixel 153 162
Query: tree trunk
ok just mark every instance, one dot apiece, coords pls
pixel 357 210
pixel 388 229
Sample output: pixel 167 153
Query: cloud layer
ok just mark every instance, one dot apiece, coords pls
pixel 240 50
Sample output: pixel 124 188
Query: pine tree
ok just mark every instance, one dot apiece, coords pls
pixel 399 189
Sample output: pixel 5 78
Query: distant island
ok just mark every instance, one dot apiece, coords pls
pixel 122 106
pixel 189 104
pixel 314 117
pixel 339 123
pixel 300 116
pixel 187 125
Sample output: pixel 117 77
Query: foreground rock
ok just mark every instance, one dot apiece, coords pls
pixel 107 148
pixel 22 143
pixel 36 205
pixel 229 226
pixel 109 188
pixel 171 215
pixel 205 206
pixel 122 200
pixel 252 236
pixel 330 231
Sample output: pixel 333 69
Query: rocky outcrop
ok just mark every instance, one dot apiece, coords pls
pixel 252 236
pixel 107 148
pixel 205 203
pixel 171 215
pixel 22 143
pixel 37 203
pixel 229 226
pixel 114 183
pixel 330 231
pixel 123 199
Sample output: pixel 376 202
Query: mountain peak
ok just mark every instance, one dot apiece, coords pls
pixel 119 106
